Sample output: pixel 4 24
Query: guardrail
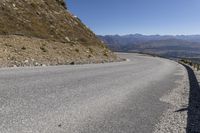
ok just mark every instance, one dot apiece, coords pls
pixel 190 63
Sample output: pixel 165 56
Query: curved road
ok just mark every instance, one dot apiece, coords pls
pixel 97 98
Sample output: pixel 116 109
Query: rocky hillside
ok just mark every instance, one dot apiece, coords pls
pixel 44 32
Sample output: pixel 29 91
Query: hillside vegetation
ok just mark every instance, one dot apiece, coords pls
pixel 44 32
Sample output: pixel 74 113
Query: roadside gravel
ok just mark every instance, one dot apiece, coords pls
pixel 183 115
pixel 174 120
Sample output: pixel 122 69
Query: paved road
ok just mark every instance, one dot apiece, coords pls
pixel 100 98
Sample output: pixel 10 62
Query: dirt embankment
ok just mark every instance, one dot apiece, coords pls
pixel 44 32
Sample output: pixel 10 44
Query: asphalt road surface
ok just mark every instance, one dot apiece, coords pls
pixel 118 97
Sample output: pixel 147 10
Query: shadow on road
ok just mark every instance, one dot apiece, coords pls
pixel 193 120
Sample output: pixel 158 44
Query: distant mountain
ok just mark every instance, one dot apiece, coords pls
pixel 193 38
pixel 167 46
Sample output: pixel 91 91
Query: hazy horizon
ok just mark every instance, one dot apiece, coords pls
pixel 152 34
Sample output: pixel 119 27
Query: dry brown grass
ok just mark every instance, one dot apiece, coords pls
pixel 45 19
pixel 43 31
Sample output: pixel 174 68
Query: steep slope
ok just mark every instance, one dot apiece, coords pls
pixel 44 31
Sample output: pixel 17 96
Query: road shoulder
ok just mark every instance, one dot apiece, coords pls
pixel 175 118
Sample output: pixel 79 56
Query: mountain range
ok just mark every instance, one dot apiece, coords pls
pixel 179 46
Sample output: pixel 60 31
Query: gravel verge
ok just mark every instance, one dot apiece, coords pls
pixel 174 120
pixel 183 115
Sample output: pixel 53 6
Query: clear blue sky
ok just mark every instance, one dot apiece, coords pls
pixel 138 16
